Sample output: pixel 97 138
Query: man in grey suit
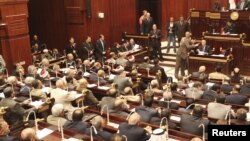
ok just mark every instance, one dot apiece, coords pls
pixel 182 53
pixel 194 92
pixel 218 109
pixel 122 81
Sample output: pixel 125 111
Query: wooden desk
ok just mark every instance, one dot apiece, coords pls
pixel 195 61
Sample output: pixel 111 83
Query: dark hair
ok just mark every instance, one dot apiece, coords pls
pixel 197 84
pixel 166 113
pixel 215 87
pixel 218 68
pixel 8 91
pixel 197 111
pixel 221 98
pixel 148 101
pixel 77 115
pixel 35 83
pixel 156 61
pixel 173 86
pixel 241 114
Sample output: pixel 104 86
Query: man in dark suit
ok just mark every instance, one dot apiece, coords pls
pixel 191 123
pixel 157 67
pixel 235 97
pixel 226 87
pixel 146 24
pixel 72 48
pixel 217 5
pixel 77 124
pixel 147 112
pixel 132 131
pixel 4 132
pixel 181 28
pixel 243 5
pixel 204 48
pixel 212 93
pixel 100 49
pixel 155 36
pixel 171 29
pixel 86 50
pixel 245 89
pixel 182 53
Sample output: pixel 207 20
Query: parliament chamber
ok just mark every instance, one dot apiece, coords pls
pixel 87 70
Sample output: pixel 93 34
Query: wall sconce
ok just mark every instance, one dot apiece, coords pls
pixel 101 15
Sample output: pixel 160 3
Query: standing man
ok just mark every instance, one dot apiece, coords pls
pixel 182 53
pixel 71 48
pixel 181 28
pixel 146 24
pixel 155 35
pixel 171 28
pixel 100 49
pixel 243 5
pixel 143 16
pixel 86 50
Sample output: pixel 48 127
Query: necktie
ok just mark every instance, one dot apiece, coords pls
pixel 204 48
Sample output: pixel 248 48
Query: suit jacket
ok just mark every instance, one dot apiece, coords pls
pixel 85 51
pixel 107 100
pixel 100 47
pixel 171 29
pixel 245 6
pixel 209 95
pixel 77 126
pixel 122 82
pixel 146 26
pixel 236 99
pixel 226 88
pixel 15 116
pixel 156 40
pixel 73 50
pixel 54 120
pixel 206 50
pixel 245 89
pixel 8 138
pixel 172 105
pixel 146 113
pixel 239 122
pixel 101 134
pixel 181 29
pixel 164 77
pixel 133 132
pixel 190 124
pixel 25 90
pixel 193 93
pixel 217 110
pixel 157 121
pixel 185 44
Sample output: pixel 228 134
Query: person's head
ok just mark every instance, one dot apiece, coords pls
pixel 198 85
pixel 154 27
pixel 28 134
pixel 112 92
pixel 55 51
pixel 156 61
pixel 144 12
pixel 167 95
pixel 32 69
pixel 12 80
pixel 128 91
pixel 88 39
pixel 28 80
pixel 45 62
pixel 173 86
pixel 101 37
pixel 181 18
pixel 77 115
pixel 148 15
pixel 171 19
pixel 82 83
pixel 70 56
pixel 101 73
pixel 202 68
pixel 203 42
pixel 241 114
pixel 61 84
pixel 8 92
pixel 112 54
pixel 57 110
pixel 97 122
pixel 166 113
pixel 218 68
pixel 188 34
pixel 221 98
pixel 198 111
pixel 148 101
pixel 236 88
pixel 248 80
pixel 37 84
pixel 120 104
pixel 146 59
pixel 35 37
pixel 236 71
pixel 4 128
pixel 117 137
pixel 154 83
pixel 98 65
pixel 131 41
pixel 216 87
pixel 134 119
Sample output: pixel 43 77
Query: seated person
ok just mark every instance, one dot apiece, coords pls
pixel 245 89
pixel 217 109
pixel 226 87
pixel 132 131
pixel 99 123
pixel 37 89
pixel 190 123
pixel 217 74
pixel 117 137
pixel 235 97
pixel 195 92
pixel 146 64
pixel 112 59
pixel 230 28
pixel 121 60
pixel 155 87
pixel 77 124
pixel 157 67
pixel 129 95
pixel 201 74
pixel 87 65
pixel 180 83
pixel 122 81
pixel 57 113
pixel 109 100
pixel 32 72
pixel 120 106
pixel 70 62
pixel 46 54
pixel 89 98
pixel 13 82
pixel 28 86
pixel 204 49
pixel 166 103
pixel 173 88
pixel 4 132
pixel 217 5
pixel 69 79
pixel 97 66
pixel 212 93
pixel 236 76
pixel 100 77
pixel 56 54
pixel 28 134
pixel 241 115
pixel 147 112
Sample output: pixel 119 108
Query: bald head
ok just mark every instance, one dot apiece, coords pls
pixel 134 119
pixel 57 110
pixel 101 73
pixel 202 69
pixel 97 122
pixel 83 83
pixel 28 134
